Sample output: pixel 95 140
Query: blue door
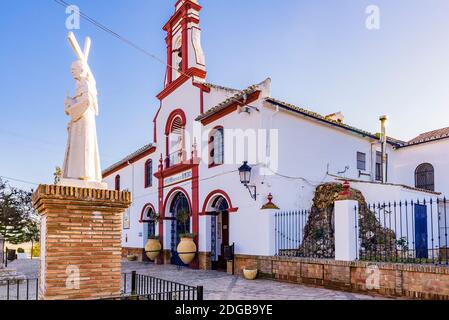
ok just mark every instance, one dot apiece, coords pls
pixel 421 232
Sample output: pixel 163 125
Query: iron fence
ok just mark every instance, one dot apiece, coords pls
pixel 19 289
pixel 142 287
pixel 305 233
pixel 404 232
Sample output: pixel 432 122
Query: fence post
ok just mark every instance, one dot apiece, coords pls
pixel 133 283
pixel 200 293
pixel 346 226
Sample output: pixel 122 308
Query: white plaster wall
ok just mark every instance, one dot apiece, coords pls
pixel 132 178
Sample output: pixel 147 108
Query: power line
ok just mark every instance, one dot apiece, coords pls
pixel 134 45
pixel 19 180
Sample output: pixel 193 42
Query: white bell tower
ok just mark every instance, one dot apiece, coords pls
pixel 185 56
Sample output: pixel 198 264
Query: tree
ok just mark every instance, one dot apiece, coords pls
pixel 18 220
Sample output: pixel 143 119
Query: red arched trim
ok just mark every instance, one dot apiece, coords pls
pixel 218 193
pixel 173 191
pixel 148 205
pixel 173 115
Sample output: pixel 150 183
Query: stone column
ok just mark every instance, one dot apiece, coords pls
pixel 346 237
pixel 81 238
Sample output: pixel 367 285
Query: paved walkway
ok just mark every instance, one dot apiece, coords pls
pixel 219 285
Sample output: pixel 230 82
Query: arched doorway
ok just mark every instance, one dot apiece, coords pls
pixel 179 207
pixel 219 232
pixel 149 225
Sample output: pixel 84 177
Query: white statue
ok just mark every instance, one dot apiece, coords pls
pixel 82 160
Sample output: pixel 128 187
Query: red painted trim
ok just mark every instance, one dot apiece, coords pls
pixel 155 123
pixel 195 203
pixel 169 56
pixel 230 109
pixel 185 46
pixel 172 116
pixel 203 89
pixel 148 205
pixel 218 193
pixel 160 259
pixel 146 174
pixel 174 170
pixel 175 190
pixel 131 161
pixel 192 72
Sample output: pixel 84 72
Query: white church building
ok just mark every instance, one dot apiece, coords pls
pixel 203 134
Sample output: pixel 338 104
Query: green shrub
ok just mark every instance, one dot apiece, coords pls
pixel 20 250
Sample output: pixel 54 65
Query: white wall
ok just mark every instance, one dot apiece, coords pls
pixel 435 153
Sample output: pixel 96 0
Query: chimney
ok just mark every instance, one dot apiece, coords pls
pixel 383 142
pixel 337 117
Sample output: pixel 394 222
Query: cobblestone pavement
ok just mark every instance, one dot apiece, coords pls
pixel 217 285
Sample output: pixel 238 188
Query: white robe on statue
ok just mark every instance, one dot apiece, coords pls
pixel 82 160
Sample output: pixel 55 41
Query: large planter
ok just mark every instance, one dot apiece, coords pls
pixel 250 274
pixel 186 250
pixel 153 249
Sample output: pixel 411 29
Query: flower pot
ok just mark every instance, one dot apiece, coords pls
pixel 153 249
pixel 250 274
pixel 186 250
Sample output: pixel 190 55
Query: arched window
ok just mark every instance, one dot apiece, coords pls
pixel 425 177
pixel 175 140
pixel 117 183
pixel 216 147
pixel 149 173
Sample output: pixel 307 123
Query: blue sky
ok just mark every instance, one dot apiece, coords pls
pixel 317 52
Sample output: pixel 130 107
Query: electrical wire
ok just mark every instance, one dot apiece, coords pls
pixel 19 180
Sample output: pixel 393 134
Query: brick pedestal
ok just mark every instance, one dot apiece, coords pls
pixel 81 233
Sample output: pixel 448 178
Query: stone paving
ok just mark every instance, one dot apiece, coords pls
pixel 221 286
pixel 217 285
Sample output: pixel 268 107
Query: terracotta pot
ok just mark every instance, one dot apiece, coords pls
pixel 250 274
pixel 186 250
pixel 132 257
pixel 153 249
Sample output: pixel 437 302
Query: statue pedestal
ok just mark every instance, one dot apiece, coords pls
pixel 83 184
pixel 81 237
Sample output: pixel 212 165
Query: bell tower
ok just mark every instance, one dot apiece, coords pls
pixel 185 56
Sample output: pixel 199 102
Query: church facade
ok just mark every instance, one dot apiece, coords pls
pixel 206 136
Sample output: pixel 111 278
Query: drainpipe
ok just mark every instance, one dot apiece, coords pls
pixel 383 141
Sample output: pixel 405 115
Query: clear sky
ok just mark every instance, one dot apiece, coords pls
pixel 318 53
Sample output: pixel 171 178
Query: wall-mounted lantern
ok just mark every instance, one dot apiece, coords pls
pixel 245 179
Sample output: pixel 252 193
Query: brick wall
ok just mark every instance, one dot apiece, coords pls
pixel 386 279
pixel 81 235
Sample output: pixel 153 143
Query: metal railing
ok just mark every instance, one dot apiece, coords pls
pixel 26 289
pixel 305 233
pixel 142 287
pixel 404 232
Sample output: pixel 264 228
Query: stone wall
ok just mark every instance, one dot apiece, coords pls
pixel 386 279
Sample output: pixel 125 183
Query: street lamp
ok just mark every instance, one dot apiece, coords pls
pixel 245 179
